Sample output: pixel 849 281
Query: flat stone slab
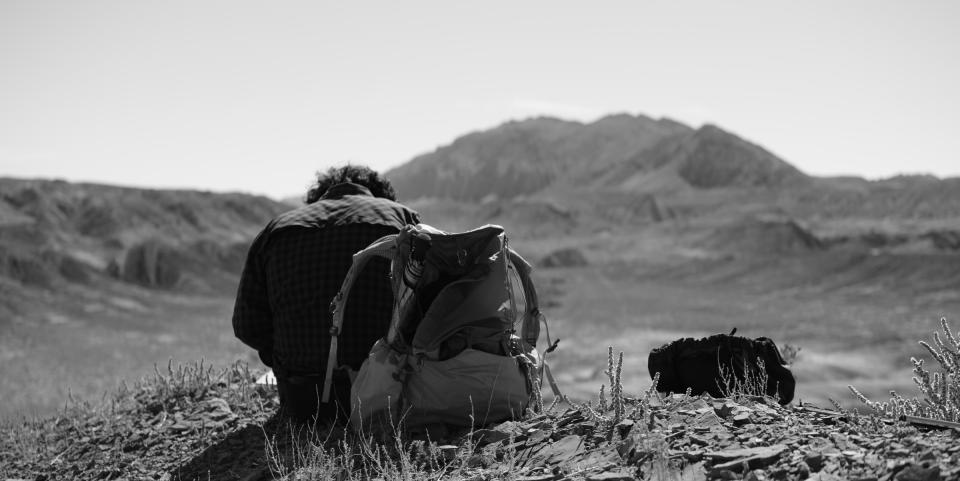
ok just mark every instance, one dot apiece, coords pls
pixel 752 458
pixel 741 453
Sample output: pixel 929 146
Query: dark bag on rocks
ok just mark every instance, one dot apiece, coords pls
pixel 721 365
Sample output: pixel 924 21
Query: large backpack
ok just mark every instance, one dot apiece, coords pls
pixel 461 346
pixel 722 364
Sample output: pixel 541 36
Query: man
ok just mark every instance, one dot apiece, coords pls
pixel 294 269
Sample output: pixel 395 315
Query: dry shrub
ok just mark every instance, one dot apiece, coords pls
pixel 940 390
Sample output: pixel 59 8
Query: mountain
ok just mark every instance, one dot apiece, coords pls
pixel 619 151
pixel 55 231
pixel 519 158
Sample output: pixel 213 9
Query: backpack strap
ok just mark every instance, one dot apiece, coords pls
pixel 383 247
pixel 530 326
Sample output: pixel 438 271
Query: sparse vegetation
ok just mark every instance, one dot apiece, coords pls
pixel 194 422
pixel 753 383
pixel 616 388
pixel 940 389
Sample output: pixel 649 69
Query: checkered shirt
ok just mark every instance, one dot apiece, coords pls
pixel 296 266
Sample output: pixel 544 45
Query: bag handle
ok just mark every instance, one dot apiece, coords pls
pixel 382 247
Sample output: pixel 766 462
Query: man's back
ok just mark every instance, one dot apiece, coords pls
pixel 295 268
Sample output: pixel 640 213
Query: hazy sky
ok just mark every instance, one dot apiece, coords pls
pixel 257 95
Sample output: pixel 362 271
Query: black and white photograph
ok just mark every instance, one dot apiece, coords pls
pixel 474 241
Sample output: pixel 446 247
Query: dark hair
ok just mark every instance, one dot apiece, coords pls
pixel 356 174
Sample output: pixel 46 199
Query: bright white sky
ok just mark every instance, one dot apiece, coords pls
pixel 256 95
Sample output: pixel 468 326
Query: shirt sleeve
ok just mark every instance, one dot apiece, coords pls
pixel 252 319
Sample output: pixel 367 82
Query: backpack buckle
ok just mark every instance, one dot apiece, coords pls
pixel 462 257
pixel 334 302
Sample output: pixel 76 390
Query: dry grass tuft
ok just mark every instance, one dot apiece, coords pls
pixel 753 384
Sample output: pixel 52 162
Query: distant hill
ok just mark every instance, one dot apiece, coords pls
pixel 623 151
pixel 55 232
pixel 519 158
pixel 919 197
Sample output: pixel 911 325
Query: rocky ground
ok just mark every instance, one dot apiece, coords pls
pixel 194 423
pixel 177 425
pixel 689 438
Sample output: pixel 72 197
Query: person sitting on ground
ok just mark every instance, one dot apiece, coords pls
pixel 294 269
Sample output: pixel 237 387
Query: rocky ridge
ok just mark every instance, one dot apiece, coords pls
pixel 194 423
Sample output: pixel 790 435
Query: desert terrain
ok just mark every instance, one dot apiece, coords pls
pixel 641 231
